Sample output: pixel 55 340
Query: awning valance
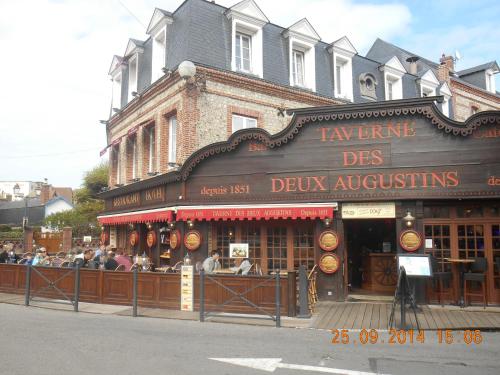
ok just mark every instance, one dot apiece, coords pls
pixel 147 216
pixel 257 212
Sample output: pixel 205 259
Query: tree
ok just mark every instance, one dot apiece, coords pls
pixel 83 218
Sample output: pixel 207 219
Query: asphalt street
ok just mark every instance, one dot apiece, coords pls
pixel 43 341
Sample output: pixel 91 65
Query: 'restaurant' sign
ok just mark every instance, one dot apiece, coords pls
pixel 368 210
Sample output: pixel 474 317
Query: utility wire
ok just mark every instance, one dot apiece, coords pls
pixel 132 14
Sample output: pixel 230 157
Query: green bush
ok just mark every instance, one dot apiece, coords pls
pixel 5 228
pixel 11 235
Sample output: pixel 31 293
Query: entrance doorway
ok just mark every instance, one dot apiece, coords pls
pixel 371 256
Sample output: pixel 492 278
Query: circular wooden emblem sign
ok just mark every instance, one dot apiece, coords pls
pixel 151 238
pixel 329 263
pixel 133 238
pixel 174 239
pixel 328 240
pixel 410 240
pixel 192 240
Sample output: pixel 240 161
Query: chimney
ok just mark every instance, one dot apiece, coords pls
pixel 413 64
pixel 45 193
pixel 446 67
pixel 449 61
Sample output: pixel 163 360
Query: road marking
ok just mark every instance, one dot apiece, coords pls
pixel 271 364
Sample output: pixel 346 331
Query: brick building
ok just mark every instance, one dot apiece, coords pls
pixel 248 71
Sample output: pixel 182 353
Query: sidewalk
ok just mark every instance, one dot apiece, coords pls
pixel 328 315
pixel 94 308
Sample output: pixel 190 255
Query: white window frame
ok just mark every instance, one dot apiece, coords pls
pixel 116 91
pixel 133 76
pixel 396 82
pixel 247 122
pixel 254 31
pixel 343 66
pixel 298 68
pixel 307 50
pixel 118 164
pixel 241 36
pixel 159 50
pixel 490 81
pixel 133 142
pixel 151 149
pixel 172 139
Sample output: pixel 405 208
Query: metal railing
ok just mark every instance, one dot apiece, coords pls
pixel 241 296
pixel 52 285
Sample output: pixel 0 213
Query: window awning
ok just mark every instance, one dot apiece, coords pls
pixel 257 212
pixel 146 216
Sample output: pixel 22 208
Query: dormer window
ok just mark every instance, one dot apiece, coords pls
pixel 298 67
pixel 428 84
pixel 158 54
pixel 490 81
pixel 445 91
pixel 393 79
pixel 243 52
pixel 117 90
pixel 157 29
pixel 132 77
pixel 302 39
pixel 343 52
pixel 247 21
pixel 116 73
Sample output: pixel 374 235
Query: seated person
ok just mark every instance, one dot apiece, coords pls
pixel 121 258
pixel 211 264
pixel 111 263
pixel 84 258
pixel 244 267
pixel 40 258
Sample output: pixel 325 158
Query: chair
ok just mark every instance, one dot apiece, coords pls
pixel 439 280
pixel 312 293
pixel 477 273
pixel 198 266
pixel 258 269
pixel 177 266
pixel 56 262
pixel 121 267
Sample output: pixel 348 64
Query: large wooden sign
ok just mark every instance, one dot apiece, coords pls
pixel 379 151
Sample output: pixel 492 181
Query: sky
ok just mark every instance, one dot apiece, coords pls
pixel 56 55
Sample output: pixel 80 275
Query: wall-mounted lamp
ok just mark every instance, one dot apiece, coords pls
pixel 230 234
pixel 187 71
pixel 171 225
pixel 149 226
pixel 131 226
pixel 408 219
pixel 166 71
pixel 327 221
pixel 135 94
pixel 190 224
pixel 181 197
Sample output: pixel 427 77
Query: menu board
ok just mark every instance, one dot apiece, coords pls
pixel 187 290
pixel 415 265
pixel 112 237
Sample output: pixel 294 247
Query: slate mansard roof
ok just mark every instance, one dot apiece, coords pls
pixel 200 31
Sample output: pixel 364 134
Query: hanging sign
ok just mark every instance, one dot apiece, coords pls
pixel 174 239
pixel 133 238
pixel 112 237
pixel 329 263
pixel 369 210
pixel 151 238
pixel 328 240
pixel 410 240
pixel 192 240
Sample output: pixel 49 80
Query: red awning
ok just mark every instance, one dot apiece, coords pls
pixel 149 216
pixel 257 212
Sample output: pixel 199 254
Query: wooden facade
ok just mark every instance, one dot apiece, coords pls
pixel 402 153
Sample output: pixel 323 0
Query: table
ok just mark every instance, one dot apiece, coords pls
pixel 459 263
pixel 225 270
